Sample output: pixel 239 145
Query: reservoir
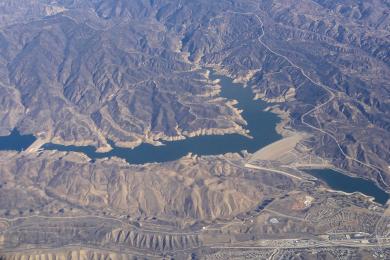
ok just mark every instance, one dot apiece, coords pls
pixel 15 141
pixel 261 125
pixel 342 182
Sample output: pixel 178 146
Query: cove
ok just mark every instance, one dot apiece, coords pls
pixel 342 182
pixel 261 125
pixel 15 141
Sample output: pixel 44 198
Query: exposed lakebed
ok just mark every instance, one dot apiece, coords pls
pixel 261 125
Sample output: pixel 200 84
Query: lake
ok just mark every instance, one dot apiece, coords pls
pixel 261 125
pixel 15 141
pixel 342 182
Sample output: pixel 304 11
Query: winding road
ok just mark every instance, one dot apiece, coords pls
pixel 332 96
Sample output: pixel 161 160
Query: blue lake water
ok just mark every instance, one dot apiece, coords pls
pixel 261 125
pixel 15 141
pixel 339 181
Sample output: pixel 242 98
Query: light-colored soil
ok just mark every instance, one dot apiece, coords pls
pixel 275 150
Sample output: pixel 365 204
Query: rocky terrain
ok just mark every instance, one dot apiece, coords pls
pixel 53 203
pixel 85 72
pixel 86 79
pixel 306 46
pixel 97 72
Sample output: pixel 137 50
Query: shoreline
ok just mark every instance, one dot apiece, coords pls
pixel 158 139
